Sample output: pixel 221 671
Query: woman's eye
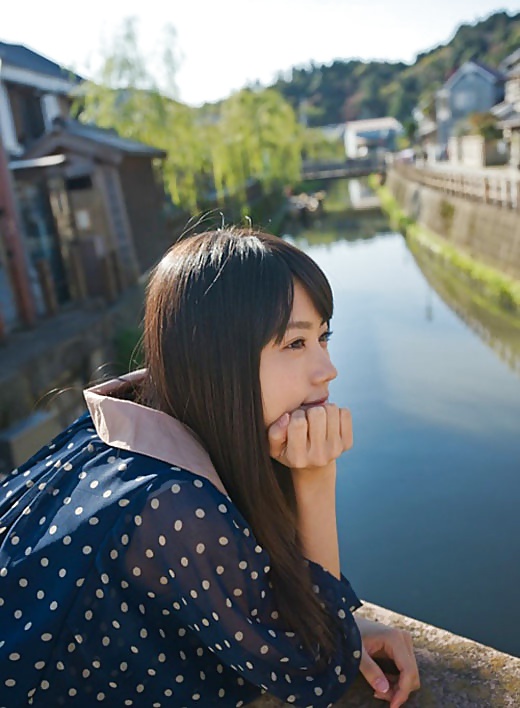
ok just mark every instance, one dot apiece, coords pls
pixel 326 336
pixel 300 343
pixel 297 344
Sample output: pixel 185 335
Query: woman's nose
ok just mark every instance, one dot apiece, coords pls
pixel 325 370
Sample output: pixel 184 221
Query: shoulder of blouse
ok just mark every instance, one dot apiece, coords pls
pixel 131 426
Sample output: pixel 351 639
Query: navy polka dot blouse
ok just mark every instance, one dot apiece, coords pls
pixel 130 582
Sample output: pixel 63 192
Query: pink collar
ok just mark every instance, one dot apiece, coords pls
pixel 137 428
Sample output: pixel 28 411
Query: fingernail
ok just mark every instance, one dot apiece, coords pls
pixel 284 420
pixel 382 685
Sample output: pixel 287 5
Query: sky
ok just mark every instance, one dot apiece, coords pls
pixel 224 45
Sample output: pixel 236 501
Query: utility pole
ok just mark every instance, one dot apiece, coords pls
pixel 11 233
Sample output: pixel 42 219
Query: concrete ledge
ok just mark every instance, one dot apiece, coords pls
pixel 455 672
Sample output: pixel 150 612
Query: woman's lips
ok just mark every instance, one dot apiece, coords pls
pixel 312 404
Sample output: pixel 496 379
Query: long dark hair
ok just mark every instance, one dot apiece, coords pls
pixel 213 302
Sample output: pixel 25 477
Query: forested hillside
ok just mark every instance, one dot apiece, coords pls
pixel 350 90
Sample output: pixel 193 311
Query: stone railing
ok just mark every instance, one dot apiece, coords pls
pixel 455 672
pixel 499 187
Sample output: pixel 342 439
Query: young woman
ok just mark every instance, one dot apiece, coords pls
pixel 177 545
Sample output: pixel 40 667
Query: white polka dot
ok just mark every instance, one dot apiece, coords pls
pixel 93 520
pixel 162 540
pixel 200 548
pixel 239 636
pixel 177 525
pixel 14 656
pixel 154 503
pixel 175 488
pixel 219 569
pixel 87 550
pixel 94 483
pixel 223 541
pixel 67 540
pixel 124 502
pixel 78 510
pixel 105 496
pixel 200 513
pixel 184 561
pixel 356 654
pixel 138 520
pixel 318 691
pixel 46 637
pixel 222 508
pixel 242 565
pixel 205 584
pixel 10 683
pixel 23 582
pixel 15 540
pixel 44 562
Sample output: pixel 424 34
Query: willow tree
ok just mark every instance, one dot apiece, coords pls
pixel 258 140
pixel 126 97
pixel 253 137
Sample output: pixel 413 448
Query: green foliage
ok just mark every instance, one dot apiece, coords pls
pixel 351 90
pixel 485 125
pixel 319 147
pixel 217 151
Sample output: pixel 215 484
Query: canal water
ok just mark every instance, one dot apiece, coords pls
pixel 428 498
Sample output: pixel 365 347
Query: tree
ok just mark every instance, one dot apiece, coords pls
pixel 125 96
pixel 252 136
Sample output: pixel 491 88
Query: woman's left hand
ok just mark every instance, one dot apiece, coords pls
pixel 380 641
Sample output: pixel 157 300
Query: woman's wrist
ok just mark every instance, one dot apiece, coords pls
pixel 313 479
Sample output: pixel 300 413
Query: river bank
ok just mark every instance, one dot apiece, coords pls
pixel 501 291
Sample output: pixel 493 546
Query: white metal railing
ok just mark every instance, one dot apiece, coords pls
pixel 499 187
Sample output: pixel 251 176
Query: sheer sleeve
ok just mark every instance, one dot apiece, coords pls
pixel 191 553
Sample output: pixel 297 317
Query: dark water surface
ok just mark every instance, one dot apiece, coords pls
pixel 429 497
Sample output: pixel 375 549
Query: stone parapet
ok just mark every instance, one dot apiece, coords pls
pixel 455 672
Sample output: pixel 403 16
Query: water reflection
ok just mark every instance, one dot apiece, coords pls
pixel 499 329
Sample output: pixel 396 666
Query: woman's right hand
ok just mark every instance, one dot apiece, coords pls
pixel 311 439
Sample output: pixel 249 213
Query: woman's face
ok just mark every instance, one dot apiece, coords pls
pixel 296 373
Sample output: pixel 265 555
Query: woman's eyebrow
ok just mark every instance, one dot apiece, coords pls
pixel 302 324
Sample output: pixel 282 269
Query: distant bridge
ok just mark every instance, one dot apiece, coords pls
pixel 361 167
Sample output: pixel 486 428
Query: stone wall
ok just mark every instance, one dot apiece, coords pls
pixel 488 233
